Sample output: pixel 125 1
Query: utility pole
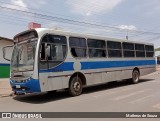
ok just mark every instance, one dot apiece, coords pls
pixel 127 35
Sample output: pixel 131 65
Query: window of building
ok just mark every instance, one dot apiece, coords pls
pixel 78 46
pixel 97 48
pixel 128 49
pixel 114 49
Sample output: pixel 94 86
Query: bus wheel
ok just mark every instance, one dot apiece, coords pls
pixel 135 76
pixel 75 86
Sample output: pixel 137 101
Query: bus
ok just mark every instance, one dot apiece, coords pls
pixel 45 60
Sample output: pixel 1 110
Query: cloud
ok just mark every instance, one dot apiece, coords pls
pixel 19 3
pixel 80 29
pixel 35 3
pixel 24 4
pixel 16 4
pixel 127 27
pixel 90 7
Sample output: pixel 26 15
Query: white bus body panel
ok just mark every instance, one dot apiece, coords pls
pixel 60 80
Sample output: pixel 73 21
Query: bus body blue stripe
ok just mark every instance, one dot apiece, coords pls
pixel 113 64
pixel 68 66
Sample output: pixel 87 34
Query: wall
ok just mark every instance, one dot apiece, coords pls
pixel 5 65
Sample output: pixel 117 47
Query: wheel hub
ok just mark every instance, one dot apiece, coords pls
pixel 76 86
pixel 135 76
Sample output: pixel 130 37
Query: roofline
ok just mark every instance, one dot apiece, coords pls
pixel 7 39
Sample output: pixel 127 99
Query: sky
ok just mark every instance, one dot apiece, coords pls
pixel 139 19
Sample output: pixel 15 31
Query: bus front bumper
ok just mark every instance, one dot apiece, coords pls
pixel 30 86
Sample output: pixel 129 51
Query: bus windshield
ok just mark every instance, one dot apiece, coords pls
pixel 23 56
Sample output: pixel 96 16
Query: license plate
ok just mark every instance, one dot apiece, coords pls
pixel 18 86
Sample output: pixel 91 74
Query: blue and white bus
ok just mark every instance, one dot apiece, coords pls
pixel 45 60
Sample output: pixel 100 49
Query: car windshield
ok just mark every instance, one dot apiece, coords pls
pixel 23 56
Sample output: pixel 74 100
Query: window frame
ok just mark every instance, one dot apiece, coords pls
pixel 129 50
pixel 93 48
pixel 78 47
pixel 111 49
pixel 47 62
pixel 149 51
pixel 139 50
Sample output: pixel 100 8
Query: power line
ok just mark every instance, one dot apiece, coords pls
pixel 47 17
pixel 75 22
pixel 94 5
pixel 153 39
pixel 111 26
pixel 89 6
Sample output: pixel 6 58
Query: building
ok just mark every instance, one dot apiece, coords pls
pixel 4 64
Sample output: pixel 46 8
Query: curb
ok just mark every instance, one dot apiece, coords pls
pixel 2 96
pixel 6 95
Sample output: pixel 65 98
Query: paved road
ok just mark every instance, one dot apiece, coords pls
pixel 112 97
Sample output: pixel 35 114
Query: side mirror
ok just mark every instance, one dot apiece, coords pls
pixel 7 52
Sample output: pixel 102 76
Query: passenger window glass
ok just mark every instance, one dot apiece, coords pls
pixel 113 45
pixel 149 51
pixel 128 53
pixel 128 49
pixel 149 54
pixel 114 49
pixel 128 46
pixel 140 54
pixel 96 43
pixel 114 53
pixel 149 48
pixel 139 47
pixel 97 53
pixel 97 48
pixel 77 42
pixel 140 50
pixel 78 46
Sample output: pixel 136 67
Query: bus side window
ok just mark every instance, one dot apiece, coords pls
pixel 73 51
pixel 78 47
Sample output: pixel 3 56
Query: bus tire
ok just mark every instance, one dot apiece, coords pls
pixel 75 86
pixel 135 76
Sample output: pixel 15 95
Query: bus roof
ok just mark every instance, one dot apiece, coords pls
pixel 83 35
